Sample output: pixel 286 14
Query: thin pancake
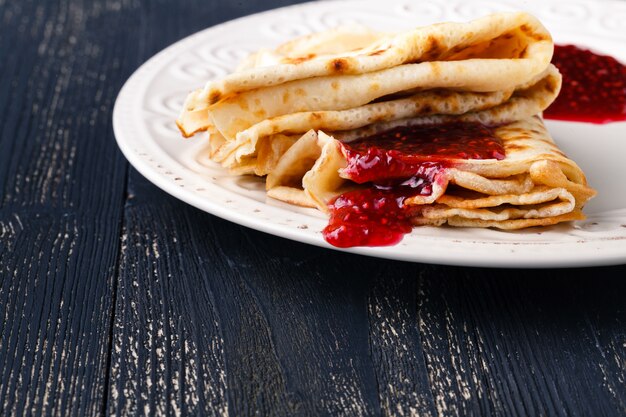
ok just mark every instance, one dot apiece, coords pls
pixel 534 184
pixel 500 52
pixel 433 106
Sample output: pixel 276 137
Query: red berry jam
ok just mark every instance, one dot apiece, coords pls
pixel 398 153
pixel 398 164
pixel 377 215
pixel 594 87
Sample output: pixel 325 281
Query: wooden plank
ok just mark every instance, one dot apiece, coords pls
pixel 506 342
pixel 167 353
pixel 397 352
pixel 314 305
pixel 56 310
pixel 265 358
pixel 62 184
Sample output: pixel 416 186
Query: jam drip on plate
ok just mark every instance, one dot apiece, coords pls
pixel 395 165
pixel 594 87
pixel 377 215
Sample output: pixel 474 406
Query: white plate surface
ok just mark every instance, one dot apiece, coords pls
pixel 145 110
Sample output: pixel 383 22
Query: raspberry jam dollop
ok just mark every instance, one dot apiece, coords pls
pixel 395 165
pixel 377 215
pixel 594 87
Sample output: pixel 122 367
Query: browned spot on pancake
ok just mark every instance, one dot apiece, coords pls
pixel 260 113
pixel 432 49
pixel 334 85
pixel 300 92
pixel 338 65
pixel 244 105
pixel 522 53
pixel 299 59
pixel 457 49
pixel 189 134
pixel 377 52
pixel 528 31
pixel 434 66
pixel 374 87
pixel 425 109
pixel 551 144
pixel 214 97
pixel 550 86
pixel 257 101
pixel 453 104
pixel 315 116
pixel 442 93
pixel 239 124
pixel 513 147
pixel 378 118
pixel 286 96
pixel 507 36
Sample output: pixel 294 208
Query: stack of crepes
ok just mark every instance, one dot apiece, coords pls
pixel 305 113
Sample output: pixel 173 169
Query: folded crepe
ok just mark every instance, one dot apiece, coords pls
pixel 527 182
pixel 295 113
pixel 351 77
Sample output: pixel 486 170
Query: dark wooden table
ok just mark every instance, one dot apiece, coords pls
pixel 116 298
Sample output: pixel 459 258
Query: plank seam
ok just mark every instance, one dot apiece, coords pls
pixel 107 375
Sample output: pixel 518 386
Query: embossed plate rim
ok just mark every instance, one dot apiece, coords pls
pixel 210 189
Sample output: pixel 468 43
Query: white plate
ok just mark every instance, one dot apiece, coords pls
pixel 143 120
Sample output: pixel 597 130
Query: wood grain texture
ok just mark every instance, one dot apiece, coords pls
pixel 525 342
pixel 397 352
pixel 117 299
pixel 61 193
pixel 273 302
pixel 167 353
